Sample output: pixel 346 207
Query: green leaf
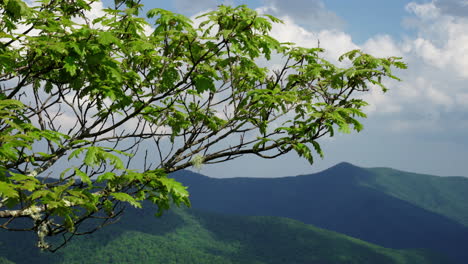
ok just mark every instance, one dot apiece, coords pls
pixel 107 176
pixel 176 189
pixel 91 158
pixel 84 177
pixel 75 153
pixel 317 148
pixel 204 83
pixel 108 207
pixel 124 197
pixel 69 66
pixel 7 190
pixel 69 223
pixel 106 38
pixel 39 194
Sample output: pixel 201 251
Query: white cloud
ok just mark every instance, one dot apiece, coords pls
pixel 383 46
pixel 334 42
pixel 96 11
pixel 291 32
pixel 424 11
pixel 433 95
pixel 428 52
pixel 442 38
pixel 380 102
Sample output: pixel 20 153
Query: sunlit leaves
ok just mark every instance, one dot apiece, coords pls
pixel 176 190
pixel 197 89
pixel 167 21
pixel 124 197
pixel 8 190
pixel 13 11
pixel 84 177
pixel 18 133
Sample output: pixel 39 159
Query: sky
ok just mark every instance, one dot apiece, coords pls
pixel 420 124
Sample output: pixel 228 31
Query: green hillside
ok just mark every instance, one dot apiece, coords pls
pixel 443 195
pixel 189 236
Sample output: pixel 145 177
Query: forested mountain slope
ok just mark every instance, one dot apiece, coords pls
pixel 192 236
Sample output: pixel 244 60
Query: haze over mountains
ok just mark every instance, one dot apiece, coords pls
pixel 242 220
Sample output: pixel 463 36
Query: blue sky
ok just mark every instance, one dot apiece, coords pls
pixel 421 124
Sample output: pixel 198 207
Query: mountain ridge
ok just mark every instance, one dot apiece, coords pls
pixel 343 164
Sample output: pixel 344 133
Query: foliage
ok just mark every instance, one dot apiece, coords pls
pixel 95 113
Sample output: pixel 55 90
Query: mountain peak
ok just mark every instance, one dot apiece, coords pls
pixel 345 171
pixel 344 164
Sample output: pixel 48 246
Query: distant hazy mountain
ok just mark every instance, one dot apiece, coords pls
pixel 191 236
pixel 387 207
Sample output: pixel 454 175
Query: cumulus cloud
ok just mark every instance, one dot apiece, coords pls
pixel 433 95
pixel 338 42
pixel 380 102
pixel 335 42
pixel 383 46
pixel 442 38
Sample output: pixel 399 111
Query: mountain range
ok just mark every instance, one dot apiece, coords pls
pixel 391 208
pixel 345 214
